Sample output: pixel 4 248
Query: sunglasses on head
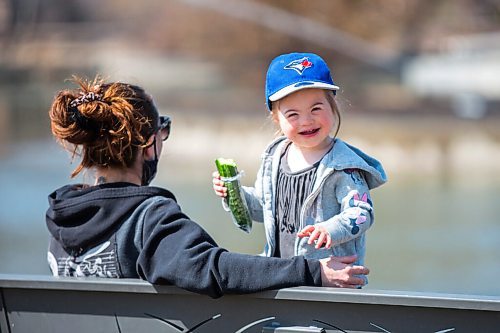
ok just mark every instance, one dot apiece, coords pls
pixel 164 127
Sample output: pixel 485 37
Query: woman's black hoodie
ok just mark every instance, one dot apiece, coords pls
pixel 124 230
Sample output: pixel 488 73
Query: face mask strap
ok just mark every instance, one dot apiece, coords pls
pixel 154 146
pixel 149 168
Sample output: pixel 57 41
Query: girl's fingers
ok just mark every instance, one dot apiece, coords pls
pixel 328 242
pixel 321 240
pixel 217 181
pixel 220 191
pixel 314 235
pixel 218 185
pixel 306 231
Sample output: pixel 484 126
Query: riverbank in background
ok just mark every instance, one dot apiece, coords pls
pixel 443 146
pixel 436 220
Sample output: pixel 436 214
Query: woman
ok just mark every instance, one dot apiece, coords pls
pixel 120 227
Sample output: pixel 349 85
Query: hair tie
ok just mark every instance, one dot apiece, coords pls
pixel 77 117
pixel 85 98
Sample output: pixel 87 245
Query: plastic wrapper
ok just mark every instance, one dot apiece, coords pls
pixel 235 198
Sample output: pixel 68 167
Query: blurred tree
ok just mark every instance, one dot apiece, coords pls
pixel 352 35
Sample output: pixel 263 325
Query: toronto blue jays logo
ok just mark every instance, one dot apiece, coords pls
pixel 299 65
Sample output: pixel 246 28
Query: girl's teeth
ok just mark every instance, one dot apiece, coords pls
pixel 309 132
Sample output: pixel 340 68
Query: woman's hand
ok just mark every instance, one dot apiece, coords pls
pixel 218 185
pixel 318 234
pixel 337 272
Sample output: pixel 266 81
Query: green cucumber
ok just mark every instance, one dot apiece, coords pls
pixel 235 197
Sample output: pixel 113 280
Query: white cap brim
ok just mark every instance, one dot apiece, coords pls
pixel 299 86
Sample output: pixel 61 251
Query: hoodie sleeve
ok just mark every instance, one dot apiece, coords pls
pixel 254 203
pixel 178 251
pixel 254 196
pixel 356 210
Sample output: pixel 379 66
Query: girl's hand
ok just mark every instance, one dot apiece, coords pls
pixel 218 185
pixel 318 234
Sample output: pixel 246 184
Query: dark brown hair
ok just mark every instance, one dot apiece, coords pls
pixel 105 123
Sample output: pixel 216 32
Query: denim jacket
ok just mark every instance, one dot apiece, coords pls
pixel 340 199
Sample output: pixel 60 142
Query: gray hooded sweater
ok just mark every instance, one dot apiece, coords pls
pixel 340 199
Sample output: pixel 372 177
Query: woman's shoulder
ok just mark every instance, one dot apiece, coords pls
pixel 156 197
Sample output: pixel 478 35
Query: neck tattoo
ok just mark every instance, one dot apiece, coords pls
pixel 101 180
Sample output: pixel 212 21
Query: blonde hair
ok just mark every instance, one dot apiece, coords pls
pixel 330 97
pixel 105 123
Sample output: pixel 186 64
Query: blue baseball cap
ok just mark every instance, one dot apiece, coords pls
pixel 291 72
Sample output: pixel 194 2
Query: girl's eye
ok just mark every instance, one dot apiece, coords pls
pixel 291 115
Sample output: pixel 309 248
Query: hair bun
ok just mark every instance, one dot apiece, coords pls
pixel 80 120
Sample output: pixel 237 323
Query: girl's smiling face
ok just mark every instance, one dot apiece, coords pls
pixel 306 118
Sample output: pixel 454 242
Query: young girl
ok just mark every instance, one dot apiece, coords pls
pixel 312 189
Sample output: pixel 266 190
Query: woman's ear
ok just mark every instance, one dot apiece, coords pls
pixel 149 150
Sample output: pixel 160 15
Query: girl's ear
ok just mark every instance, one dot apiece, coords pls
pixel 275 119
pixel 274 113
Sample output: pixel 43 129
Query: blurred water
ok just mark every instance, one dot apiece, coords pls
pixel 429 234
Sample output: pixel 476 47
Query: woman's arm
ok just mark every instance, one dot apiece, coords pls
pixel 178 251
